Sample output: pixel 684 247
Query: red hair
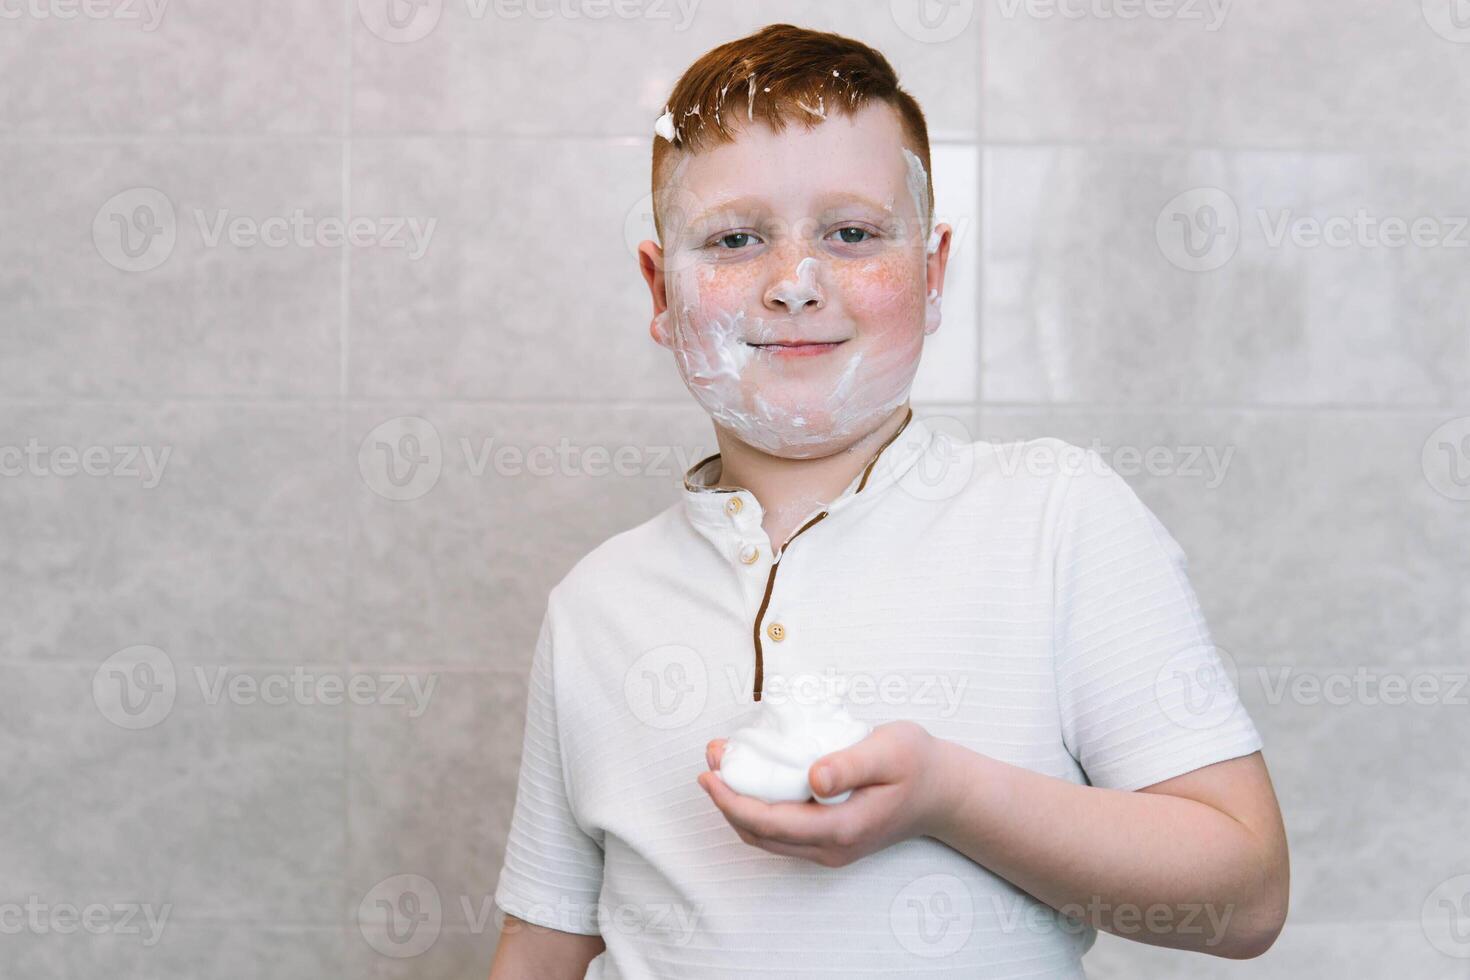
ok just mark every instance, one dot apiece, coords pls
pixel 779 74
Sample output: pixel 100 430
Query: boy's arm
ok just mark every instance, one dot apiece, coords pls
pixel 1177 840
pixel 529 952
pixel 1196 862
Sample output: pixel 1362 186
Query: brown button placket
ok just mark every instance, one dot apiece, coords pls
pixel 766 603
pixel 778 630
pixel 734 505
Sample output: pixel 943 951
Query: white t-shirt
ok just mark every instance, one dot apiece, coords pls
pixel 1017 599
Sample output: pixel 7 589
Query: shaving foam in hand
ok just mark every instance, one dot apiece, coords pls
pixel 769 759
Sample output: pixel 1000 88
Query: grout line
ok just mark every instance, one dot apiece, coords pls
pixel 1202 408
pixel 982 69
pixel 978 257
pixel 225 921
pixel 346 260
pixel 344 556
pixel 1366 150
pixel 345 276
pixel 366 402
pixel 624 404
pixel 1372 150
pixel 222 921
pixel 344 894
pixel 1262 657
pixel 165 139
pixel 515 673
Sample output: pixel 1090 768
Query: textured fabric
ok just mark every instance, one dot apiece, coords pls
pixel 1017 599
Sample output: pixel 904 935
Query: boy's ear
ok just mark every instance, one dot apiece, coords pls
pixel 935 265
pixel 651 264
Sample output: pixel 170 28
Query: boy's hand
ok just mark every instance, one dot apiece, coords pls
pixel 895 774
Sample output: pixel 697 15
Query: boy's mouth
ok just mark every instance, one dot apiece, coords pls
pixel 797 348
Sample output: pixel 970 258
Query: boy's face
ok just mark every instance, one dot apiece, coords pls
pixel 794 286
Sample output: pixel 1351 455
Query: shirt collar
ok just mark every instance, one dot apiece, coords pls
pixel 711 509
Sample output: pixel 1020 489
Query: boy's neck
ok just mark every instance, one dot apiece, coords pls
pixel 790 490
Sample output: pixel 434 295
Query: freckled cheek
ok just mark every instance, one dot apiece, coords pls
pixel 718 291
pixel 883 297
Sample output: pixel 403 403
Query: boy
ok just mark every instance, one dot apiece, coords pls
pixel 1022 637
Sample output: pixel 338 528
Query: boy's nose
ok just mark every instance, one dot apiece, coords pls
pixel 798 290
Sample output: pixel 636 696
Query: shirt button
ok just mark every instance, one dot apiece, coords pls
pixel 749 554
pixel 733 507
pixel 776 632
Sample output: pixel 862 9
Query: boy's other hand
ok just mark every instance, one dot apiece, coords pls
pixel 897 783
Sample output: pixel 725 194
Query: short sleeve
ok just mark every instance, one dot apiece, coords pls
pixel 1144 695
pixel 552 874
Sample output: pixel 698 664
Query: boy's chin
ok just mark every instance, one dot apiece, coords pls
pixel 801 434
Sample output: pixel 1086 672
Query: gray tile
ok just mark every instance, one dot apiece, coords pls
pixel 1358 74
pixel 1077 72
pixel 1316 539
pixel 198 951
pixel 1372 793
pixel 432 795
pixel 200 316
pixel 528 288
pixel 1321 74
pixel 1333 574
pixel 948 368
pixel 223 810
pixel 157 66
pixel 455 955
pixel 458 572
pixel 1360 951
pixel 554 74
pixel 1086 297
pixel 228 547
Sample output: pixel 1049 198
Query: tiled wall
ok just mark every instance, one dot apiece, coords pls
pixel 201 388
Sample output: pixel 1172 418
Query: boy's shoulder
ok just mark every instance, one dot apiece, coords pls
pixel 1024 465
pixel 1039 480
pixel 625 556
pixel 1028 473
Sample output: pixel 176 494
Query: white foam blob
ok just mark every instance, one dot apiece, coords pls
pixel 769 759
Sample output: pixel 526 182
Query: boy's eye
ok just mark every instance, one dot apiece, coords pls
pixel 735 240
pixel 852 235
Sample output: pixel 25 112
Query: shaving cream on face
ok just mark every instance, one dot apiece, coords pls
pixel 770 758
pixel 795 407
pixel 805 288
pixel 918 184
